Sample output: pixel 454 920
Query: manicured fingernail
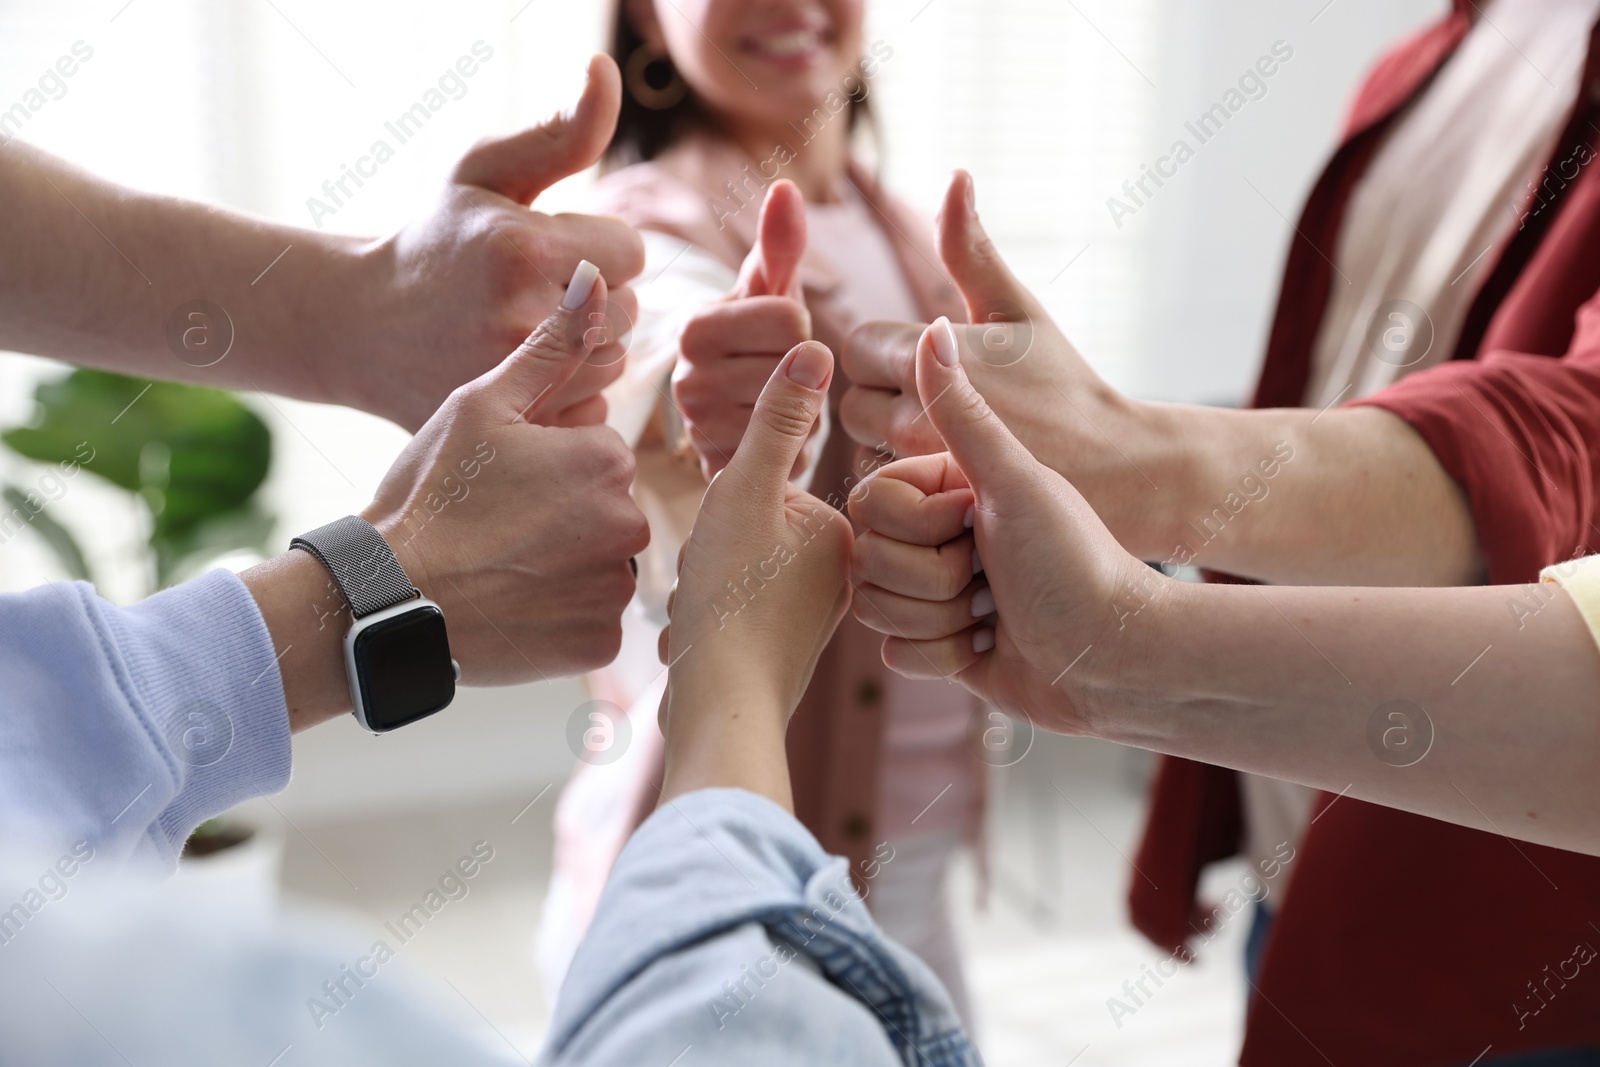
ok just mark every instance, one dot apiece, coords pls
pixel 982 640
pixel 966 520
pixel 983 603
pixel 809 366
pixel 944 342
pixel 580 287
pixel 977 564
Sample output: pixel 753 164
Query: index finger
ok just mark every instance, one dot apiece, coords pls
pixel 924 500
pixel 882 355
pixel 607 242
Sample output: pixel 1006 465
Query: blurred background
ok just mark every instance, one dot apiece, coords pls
pixel 1052 104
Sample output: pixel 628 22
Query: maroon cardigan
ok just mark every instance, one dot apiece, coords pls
pixel 1405 941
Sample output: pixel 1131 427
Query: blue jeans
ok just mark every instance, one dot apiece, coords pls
pixel 1255 946
pixel 1255 942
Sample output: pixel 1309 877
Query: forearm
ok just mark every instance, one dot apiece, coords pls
pixel 102 275
pixel 724 734
pixel 1289 496
pixel 1476 706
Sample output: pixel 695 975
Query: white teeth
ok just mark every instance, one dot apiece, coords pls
pixel 790 44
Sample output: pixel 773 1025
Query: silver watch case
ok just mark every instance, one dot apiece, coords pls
pixel 352 669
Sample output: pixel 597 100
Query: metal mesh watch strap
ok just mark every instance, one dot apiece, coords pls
pixel 361 562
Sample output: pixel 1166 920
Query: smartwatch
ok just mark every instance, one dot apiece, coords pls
pixel 396 653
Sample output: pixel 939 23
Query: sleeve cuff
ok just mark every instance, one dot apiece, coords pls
pixel 710 862
pixel 204 677
pixel 1581 579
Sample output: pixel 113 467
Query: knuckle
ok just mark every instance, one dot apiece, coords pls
pixel 511 250
pixel 791 416
pixel 852 352
pixel 983 251
pixel 465 403
pixel 480 146
pixel 625 300
pixel 852 410
pixel 969 408
pixel 693 391
pixel 862 555
pixel 948 581
pixel 600 644
pixel 796 320
pixel 696 339
pixel 903 429
pixel 635 531
pixel 602 448
pixel 615 453
pixel 473 157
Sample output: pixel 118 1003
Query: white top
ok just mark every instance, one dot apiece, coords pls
pixel 1445 193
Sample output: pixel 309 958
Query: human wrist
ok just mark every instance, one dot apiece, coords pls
pixel 1123 464
pixel 1152 522
pixel 408 550
pixel 1124 694
pixel 716 685
pixel 306 619
pixel 724 736
pixel 340 303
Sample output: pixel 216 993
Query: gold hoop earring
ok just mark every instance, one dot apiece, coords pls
pixel 635 76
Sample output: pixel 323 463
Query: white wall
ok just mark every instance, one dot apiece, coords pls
pixel 1213 253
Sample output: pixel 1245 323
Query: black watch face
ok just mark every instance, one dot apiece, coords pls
pixel 403 667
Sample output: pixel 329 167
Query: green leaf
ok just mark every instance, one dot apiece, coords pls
pixel 194 455
pixel 57 536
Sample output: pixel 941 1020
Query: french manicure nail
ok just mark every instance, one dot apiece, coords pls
pixel 983 603
pixel 580 287
pixel 944 342
pixel 982 640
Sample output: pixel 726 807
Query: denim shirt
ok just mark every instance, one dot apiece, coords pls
pixel 725 929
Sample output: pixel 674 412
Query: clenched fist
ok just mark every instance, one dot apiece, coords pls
pixel 521 532
pixel 730 348
pixel 983 565
pixel 451 293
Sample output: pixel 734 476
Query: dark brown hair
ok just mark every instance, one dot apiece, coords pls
pixel 644 133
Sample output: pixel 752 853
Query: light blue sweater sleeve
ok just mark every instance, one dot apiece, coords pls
pixel 127 727
pixel 726 929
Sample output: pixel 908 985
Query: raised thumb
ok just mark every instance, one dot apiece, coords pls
pixel 985 450
pixel 523 165
pixel 785 412
pixel 773 266
pixel 992 293
pixel 528 378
